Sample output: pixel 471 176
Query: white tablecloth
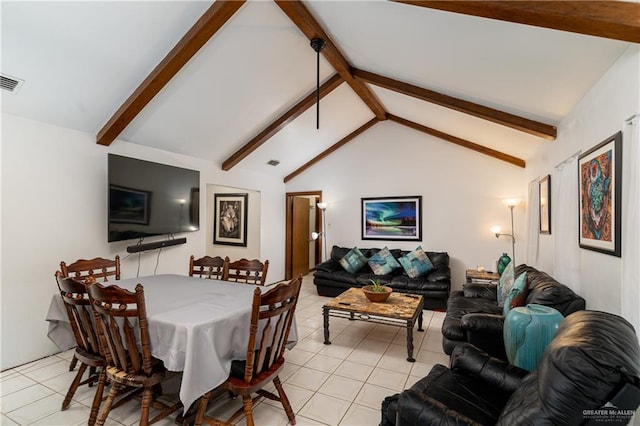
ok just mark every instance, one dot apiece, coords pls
pixel 196 326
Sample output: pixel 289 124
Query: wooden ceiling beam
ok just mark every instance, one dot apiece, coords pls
pixel 522 124
pixel 302 18
pixel 282 121
pixel 208 24
pixel 332 148
pixel 458 141
pixel 618 20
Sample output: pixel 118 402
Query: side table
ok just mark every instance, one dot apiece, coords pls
pixel 484 277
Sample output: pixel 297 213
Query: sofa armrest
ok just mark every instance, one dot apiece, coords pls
pixel 488 323
pixel 485 331
pixel 485 291
pixel 497 373
pixel 415 408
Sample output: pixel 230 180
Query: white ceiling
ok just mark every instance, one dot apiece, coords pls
pixel 81 61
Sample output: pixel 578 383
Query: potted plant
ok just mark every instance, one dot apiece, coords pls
pixel 376 292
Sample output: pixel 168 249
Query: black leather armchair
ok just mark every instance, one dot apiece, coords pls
pixel 589 373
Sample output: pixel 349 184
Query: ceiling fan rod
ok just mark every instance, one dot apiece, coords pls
pixel 318 44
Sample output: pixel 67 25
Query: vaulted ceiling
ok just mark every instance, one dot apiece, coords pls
pixel 234 82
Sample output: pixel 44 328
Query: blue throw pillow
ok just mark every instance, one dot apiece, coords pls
pixel 506 283
pixel 519 287
pixel 416 263
pixel 383 262
pixel 353 261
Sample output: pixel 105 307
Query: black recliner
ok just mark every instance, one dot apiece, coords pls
pixel 589 374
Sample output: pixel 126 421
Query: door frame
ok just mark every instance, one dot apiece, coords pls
pixel 288 256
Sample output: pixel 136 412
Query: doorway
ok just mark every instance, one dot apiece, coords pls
pixel 301 252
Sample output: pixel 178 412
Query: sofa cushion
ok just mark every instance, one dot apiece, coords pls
pixel 383 262
pixel 518 294
pixel 506 283
pixel 353 261
pixel 416 263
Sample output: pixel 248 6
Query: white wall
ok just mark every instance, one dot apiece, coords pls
pixel 462 193
pixel 54 208
pixel 600 114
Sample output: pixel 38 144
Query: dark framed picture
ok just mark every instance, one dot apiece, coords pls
pixel 600 181
pixel 230 221
pixel 392 218
pixel 128 205
pixel 545 204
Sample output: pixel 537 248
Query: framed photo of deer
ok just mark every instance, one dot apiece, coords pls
pixel 230 219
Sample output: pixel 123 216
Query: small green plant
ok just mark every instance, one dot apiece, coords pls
pixel 376 286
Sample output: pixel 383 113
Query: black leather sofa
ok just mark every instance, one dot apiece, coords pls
pixel 473 314
pixel 331 279
pixel 589 374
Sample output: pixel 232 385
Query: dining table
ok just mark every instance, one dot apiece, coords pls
pixel 196 326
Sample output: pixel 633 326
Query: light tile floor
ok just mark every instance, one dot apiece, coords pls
pixel 339 384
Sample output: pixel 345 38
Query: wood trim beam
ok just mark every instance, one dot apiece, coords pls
pixel 522 124
pixel 332 148
pixel 618 20
pixel 302 18
pixel 208 24
pixel 280 122
pixel 458 141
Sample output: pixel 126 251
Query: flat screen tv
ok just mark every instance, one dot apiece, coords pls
pixel 147 198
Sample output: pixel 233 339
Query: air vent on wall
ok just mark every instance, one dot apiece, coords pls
pixel 10 84
pixel 273 162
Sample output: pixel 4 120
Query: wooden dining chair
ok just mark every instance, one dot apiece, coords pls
pixel 78 307
pixel 271 319
pixel 123 335
pixel 247 271
pixel 99 268
pixel 207 267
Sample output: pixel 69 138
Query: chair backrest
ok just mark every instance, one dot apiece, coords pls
pixel 271 318
pixel 247 271
pixel 76 301
pixel 99 268
pixel 123 333
pixel 207 267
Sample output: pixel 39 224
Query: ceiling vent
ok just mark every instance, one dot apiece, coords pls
pixel 273 162
pixel 10 84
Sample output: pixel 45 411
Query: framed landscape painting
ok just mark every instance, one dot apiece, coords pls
pixel 230 219
pixel 392 218
pixel 600 181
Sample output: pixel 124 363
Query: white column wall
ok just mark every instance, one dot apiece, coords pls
pixel 600 114
pixel 462 194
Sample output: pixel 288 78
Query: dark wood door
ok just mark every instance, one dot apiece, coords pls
pixel 300 236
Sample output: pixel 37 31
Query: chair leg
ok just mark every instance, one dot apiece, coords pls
pixel 147 397
pixel 104 411
pixel 97 399
pixel 73 387
pixel 247 401
pixel 72 364
pixel 202 408
pixel 284 400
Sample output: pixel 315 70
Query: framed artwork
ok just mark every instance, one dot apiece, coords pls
pixel 392 218
pixel 545 204
pixel 600 181
pixel 230 219
pixel 128 205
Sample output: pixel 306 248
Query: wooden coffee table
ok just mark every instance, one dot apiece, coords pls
pixel 400 309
